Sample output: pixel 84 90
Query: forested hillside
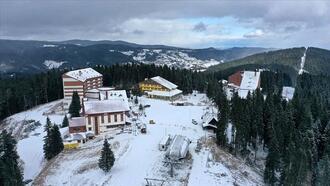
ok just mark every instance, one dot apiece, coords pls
pixel 287 60
pixel 295 134
pixel 40 56
pixel 317 61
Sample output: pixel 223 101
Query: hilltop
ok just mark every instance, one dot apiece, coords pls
pixel 286 60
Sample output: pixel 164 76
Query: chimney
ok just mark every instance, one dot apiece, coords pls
pixel 106 95
pixel 99 95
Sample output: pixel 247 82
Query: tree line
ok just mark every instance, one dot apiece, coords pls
pixel 296 134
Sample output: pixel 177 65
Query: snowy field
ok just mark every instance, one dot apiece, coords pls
pixel 137 155
pixel 29 146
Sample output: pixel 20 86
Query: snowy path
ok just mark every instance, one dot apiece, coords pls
pixel 302 63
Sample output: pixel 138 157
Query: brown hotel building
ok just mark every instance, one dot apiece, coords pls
pixel 80 80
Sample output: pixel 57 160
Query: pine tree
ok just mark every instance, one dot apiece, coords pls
pixel 56 140
pixel 47 140
pixel 75 106
pixel 10 173
pixel 107 157
pixel 223 116
pixel 65 122
pixel 136 101
pixel 323 172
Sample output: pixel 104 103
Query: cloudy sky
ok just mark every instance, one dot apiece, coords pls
pixel 183 23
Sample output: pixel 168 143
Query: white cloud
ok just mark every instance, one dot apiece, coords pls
pixel 252 23
pixel 254 34
pixel 176 32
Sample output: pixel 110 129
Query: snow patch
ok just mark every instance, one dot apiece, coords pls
pixel 51 64
pixel 49 46
pixel 127 53
pixel 302 63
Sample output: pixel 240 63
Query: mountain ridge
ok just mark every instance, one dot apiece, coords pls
pixel 38 56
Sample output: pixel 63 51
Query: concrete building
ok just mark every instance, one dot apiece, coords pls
pixel 102 115
pixel 80 80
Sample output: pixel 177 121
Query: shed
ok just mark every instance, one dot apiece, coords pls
pixel 210 121
pixel 164 142
pixel 178 148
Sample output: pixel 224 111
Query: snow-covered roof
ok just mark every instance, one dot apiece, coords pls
pixel 288 92
pixel 77 122
pixel 243 93
pixel 207 118
pixel 106 88
pixel 83 74
pixel 164 140
pixel 105 106
pixel 165 93
pixel 116 94
pixel 178 148
pixel 250 81
pixel 104 91
pixel 164 82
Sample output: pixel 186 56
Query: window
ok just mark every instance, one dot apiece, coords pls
pixel 122 117
pixel 89 128
pixel 109 118
pixel 102 119
pixel 115 117
pixel 89 120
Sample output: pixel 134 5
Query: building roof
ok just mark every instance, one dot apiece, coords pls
pixel 165 93
pixel 83 74
pixel 165 140
pixel 102 94
pixel 250 82
pixel 105 106
pixel 178 148
pixel 288 92
pixel 207 118
pixel 164 82
pixel 77 122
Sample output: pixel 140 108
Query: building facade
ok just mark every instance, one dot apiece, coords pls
pixel 102 115
pixel 150 85
pixel 160 88
pixel 80 80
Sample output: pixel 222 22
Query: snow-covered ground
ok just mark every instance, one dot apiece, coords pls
pixel 30 143
pixel 137 155
pixel 51 64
